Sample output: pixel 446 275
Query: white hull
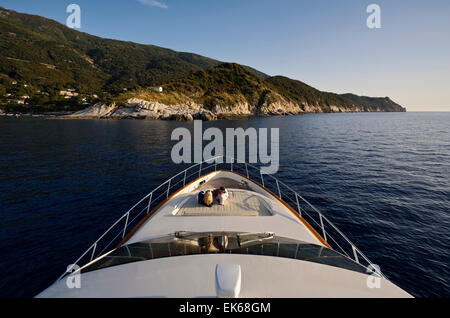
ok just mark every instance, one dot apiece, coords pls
pixel 251 208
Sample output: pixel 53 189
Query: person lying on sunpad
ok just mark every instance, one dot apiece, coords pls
pixel 221 195
pixel 206 198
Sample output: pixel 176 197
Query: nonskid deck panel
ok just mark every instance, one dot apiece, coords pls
pixel 239 203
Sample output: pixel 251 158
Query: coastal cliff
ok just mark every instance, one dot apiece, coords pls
pixel 229 90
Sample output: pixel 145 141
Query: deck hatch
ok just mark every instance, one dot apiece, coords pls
pixel 228 280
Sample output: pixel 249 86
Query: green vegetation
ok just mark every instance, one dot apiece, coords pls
pixel 227 84
pixel 46 53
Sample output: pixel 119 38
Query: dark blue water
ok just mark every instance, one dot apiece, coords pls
pixel 383 179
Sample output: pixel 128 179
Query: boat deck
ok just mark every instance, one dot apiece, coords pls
pixel 249 208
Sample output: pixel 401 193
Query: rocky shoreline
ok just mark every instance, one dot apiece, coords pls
pixel 34 114
pixel 140 109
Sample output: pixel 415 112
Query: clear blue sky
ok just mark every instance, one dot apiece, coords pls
pixel 323 43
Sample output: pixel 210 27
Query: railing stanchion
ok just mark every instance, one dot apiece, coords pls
pixel 93 251
pixel 278 187
pixel 246 169
pixel 200 170
pixel 298 205
pixel 168 188
pixel 149 203
pixel 184 179
pixel 126 224
pixel 323 228
pixel 355 254
pixel 262 178
pixel 231 165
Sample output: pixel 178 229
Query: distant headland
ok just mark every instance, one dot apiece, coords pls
pixel 48 67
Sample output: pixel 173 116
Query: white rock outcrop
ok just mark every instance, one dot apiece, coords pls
pixel 270 104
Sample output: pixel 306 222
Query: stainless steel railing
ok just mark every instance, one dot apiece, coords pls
pixel 117 232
